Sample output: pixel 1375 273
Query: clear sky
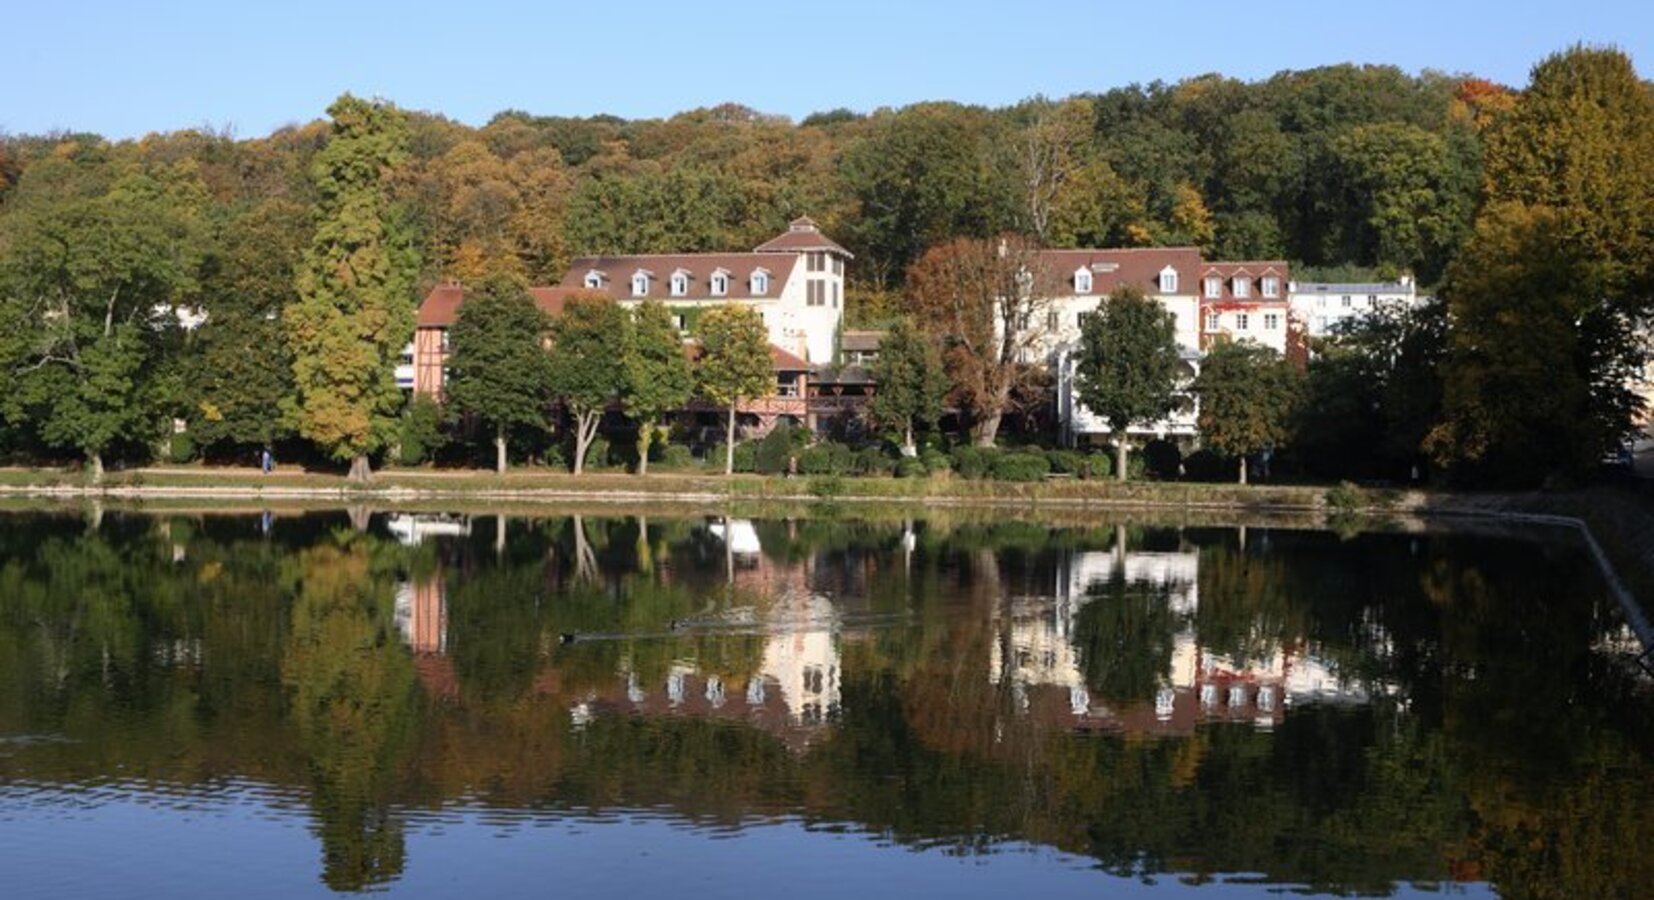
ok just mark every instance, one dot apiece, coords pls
pixel 127 68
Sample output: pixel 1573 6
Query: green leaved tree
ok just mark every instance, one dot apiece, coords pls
pixel 735 364
pixel 1126 372
pixel 588 351
pixel 1248 397
pixel 658 378
pixel 354 314
pixel 498 370
pixel 911 382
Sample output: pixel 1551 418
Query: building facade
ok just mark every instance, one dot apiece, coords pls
pixel 1322 308
pixel 1245 301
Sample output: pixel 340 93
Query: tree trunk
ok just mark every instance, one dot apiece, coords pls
pixel 729 445
pixel 361 471
pixel 1243 468
pixel 907 441
pixel 585 428
pixel 1121 448
pixel 645 436
pixel 94 465
pixel 986 429
pixel 499 450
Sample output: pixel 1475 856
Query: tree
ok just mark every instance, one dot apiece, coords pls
pixel 1127 369
pixel 1248 394
pixel 92 268
pixel 911 382
pixel 498 369
pixel 658 378
pixel 986 303
pixel 1407 202
pixel 588 352
pixel 353 314
pixel 734 365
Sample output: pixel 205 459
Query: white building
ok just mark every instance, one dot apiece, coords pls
pixel 1322 307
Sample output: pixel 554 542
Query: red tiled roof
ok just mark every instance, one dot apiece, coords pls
pixel 1254 269
pixel 617 272
pixel 781 360
pixel 440 309
pixel 801 235
pixel 1140 266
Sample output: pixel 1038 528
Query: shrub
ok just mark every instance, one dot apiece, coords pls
pixel 1345 498
pixel 827 487
pixel 597 453
pixel 675 456
pixel 182 448
pixel 419 434
pixel 874 461
pixel 973 462
pixel 1205 465
pixel 1069 462
pixel 746 457
pixel 773 451
pixel 1162 459
pixel 911 467
pixel 936 462
pixel 1021 467
pixel 826 459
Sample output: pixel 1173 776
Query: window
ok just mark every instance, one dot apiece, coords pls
pixel 594 280
pixel 815 292
pixel 1240 321
pixel 760 282
pixel 1214 286
pixel 1082 282
pixel 680 322
pixel 1271 322
pixel 1212 321
pixel 816 261
pixel 1051 320
pixel 838 266
pixel 720 284
pixel 640 285
pixel 1243 286
pixel 1372 299
pixel 1083 318
pixel 444 340
pixel 680 284
pixel 1168 280
pixel 1346 301
pixel 835 295
pixel 1271 286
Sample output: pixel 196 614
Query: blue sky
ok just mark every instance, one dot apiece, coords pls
pixel 127 68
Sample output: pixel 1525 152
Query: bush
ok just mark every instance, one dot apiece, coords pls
pixel 1345 498
pixel 874 461
pixel 1069 462
pixel 674 456
pixel 419 434
pixel 936 462
pixel 826 459
pixel 1205 465
pixel 182 448
pixel 774 450
pixel 1021 467
pixel 746 457
pixel 597 453
pixel 911 467
pixel 973 462
pixel 826 487
pixel 1163 460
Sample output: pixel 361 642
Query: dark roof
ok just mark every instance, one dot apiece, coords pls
pixel 780 360
pixel 801 235
pixel 617 272
pixel 861 341
pixel 1140 266
pixel 830 375
pixel 441 306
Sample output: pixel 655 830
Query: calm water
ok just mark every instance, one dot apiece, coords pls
pixel 299 705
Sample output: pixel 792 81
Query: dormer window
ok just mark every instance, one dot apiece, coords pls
pixel 640 284
pixel 1214 286
pixel 1168 280
pixel 720 283
pixel 594 279
pixel 680 283
pixel 1243 286
pixel 760 283
pixel 1271 286
pixel 1082 281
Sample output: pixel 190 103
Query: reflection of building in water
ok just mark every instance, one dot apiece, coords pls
pixel 421 617
pixel 411 529
pixel 1035 648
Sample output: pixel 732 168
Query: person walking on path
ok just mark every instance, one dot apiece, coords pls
pixel 266 461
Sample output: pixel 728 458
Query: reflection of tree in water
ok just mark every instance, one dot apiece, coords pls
pixel 351 687
pixel 1124 634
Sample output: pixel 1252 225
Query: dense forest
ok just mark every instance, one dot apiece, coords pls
pixel 1354 170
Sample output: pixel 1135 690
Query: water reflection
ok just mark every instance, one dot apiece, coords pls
pixel 1349 715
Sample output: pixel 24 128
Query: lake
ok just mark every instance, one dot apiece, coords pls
pixel 304 703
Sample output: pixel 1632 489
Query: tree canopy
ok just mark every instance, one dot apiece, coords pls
pixel 498 369
pixel 658 377
pixel 1126 369
pixel 734 364
pixel 1248 395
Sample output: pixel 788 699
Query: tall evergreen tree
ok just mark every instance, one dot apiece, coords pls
pixel 588 372
pixel 1127 368
pixel 658 378
pixel 911 382
pixel 354 312
pixel 498 368
pixel 1248 397
pixel 735 364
